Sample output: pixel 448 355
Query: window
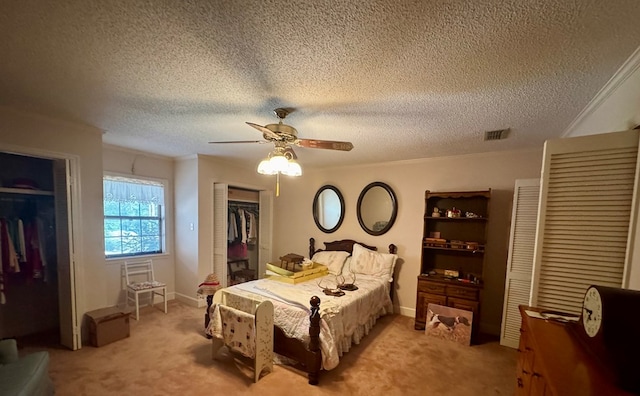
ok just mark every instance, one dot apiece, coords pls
pixel 133 216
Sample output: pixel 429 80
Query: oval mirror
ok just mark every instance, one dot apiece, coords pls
pixel 328 208
pixel 377 208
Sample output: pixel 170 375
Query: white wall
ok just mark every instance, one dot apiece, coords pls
pixel 31 134
pixel 194 177
pixel 616 108
pixel 135 163
pixel 186 218
pixel 409 179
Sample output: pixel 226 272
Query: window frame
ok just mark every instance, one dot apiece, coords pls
pixel 162 231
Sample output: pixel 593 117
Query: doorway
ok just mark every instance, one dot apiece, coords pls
pixel 37 280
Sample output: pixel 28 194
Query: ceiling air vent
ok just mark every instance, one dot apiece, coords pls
pixel 496 135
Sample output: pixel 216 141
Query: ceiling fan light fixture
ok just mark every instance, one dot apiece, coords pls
pixel 279 163
pixel 294 169
pixel 264 168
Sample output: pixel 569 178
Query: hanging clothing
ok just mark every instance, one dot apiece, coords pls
pixel 237 250
pixel 243 226
pixel 10 261
pixel 34 256
pixel 42 247
pixel 21 242
pixel 3 298
pixel 242 229
pixel 232 226
pixel 252 234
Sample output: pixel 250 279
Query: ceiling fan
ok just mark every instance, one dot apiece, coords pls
pixel 283 136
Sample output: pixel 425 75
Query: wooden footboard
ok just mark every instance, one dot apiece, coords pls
pixel 310 357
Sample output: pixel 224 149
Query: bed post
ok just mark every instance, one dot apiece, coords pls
pixel 393 249
pixel 315 358
pixel 312 247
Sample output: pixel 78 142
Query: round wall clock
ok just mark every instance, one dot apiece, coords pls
pixel 592 311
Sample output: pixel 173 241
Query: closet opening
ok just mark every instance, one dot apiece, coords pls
pixel 36 292
pixel 28 276
pixel 243 235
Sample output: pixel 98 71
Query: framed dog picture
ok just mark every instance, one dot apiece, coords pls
pixel 449 323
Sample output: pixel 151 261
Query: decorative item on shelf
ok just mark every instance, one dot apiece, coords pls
pixel 435 242
pixel 291 259
pixel 471 215
pixel 453 212
pixel 473 245
pixel 436 212
pixel 434 234
pixel 455 244
pixel 451 273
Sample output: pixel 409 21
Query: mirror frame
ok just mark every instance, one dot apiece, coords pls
pixel 315 208
pixel 394 203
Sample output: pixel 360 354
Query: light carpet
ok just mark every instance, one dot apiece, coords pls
pixel 169 355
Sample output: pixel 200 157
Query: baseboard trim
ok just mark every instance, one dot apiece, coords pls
pixel 191 301
pixel 406 311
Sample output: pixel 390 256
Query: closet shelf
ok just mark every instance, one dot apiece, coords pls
pixel 24 191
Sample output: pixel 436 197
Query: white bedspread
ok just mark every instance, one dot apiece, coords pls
pixel 344 320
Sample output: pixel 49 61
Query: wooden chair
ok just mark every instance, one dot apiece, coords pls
pixel 141 279
pixel 242 272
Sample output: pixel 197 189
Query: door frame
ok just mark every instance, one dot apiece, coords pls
pixel 265 226
pixel 75 234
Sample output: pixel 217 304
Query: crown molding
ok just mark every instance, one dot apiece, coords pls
pixel 623 73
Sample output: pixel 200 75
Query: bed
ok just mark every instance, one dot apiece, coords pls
pixel 315 329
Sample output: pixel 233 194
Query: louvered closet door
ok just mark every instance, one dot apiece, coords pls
pixel 520 260
pixel 220 234
pixel 265 230
pixel 584 223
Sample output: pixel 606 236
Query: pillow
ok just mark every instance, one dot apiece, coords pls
pixel 332 259
pixel 346 268
pixel 369 262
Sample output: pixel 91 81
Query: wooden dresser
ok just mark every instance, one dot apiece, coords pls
pixel 551 361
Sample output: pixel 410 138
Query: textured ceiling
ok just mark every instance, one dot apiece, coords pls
pixel 399 79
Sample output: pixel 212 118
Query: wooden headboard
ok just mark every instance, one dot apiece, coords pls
pixel 343 245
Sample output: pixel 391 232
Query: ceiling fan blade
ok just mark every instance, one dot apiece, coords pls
pixel 324 144
pixel 264 130
pixel 241 141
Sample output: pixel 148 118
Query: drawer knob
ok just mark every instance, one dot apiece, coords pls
pixel 520 384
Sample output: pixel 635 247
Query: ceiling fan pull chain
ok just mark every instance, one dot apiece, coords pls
pixel 278 184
